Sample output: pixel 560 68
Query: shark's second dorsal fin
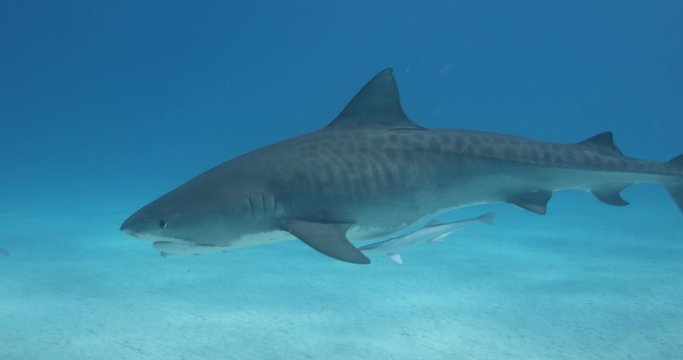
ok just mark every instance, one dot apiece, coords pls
pixel 603 142
pixel 376 105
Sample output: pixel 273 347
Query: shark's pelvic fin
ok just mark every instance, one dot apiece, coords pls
pixel 376 105
pixel 329 239
pixel 604 143
pixel 534 201
pixel 611 195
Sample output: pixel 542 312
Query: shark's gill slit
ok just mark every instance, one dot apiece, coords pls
pixel 264 209
pixel 273 206
pixel 251 206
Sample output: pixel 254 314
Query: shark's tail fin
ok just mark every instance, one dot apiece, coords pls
pixel 676 164
pixel 675 188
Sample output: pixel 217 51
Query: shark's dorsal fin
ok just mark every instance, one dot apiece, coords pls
pixel 376 105
pixel 603 142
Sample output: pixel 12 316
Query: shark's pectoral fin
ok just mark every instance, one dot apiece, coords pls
pixel 534 201
pixel 610 194
pixel 329 239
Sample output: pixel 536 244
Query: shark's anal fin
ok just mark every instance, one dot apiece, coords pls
pixel 534 201
pixel 328 238
pixel 610 194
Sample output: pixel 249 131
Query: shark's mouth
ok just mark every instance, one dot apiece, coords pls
pixel 154 238
pixel 185 248
pixel 175 246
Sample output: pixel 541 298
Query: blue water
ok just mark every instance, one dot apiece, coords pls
pixel 106 105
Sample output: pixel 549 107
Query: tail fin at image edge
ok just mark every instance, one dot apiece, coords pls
pixel 677 162
pixel 676 189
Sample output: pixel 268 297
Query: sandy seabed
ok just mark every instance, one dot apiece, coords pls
pixel 587 281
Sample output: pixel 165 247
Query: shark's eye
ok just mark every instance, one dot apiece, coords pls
pixel 162 224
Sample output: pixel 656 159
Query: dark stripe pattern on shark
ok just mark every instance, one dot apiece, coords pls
pixel 372 171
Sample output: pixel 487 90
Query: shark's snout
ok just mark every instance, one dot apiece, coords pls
pixel 135 225
pixel 128 231
pixel 148 224
pixel 126 227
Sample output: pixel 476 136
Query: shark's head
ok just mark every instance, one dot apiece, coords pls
pixel 197 213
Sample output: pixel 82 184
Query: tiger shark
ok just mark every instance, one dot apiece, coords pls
pixel 371 172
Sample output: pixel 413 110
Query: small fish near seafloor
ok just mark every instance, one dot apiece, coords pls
pixel 432 232
pixel 373 172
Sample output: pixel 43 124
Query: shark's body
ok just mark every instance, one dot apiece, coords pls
pixel 372 171
pixel 432 232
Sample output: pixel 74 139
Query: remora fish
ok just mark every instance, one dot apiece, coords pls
pixel 372 171
pixel 433 232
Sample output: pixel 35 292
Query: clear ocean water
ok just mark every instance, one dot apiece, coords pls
pixel 106 105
